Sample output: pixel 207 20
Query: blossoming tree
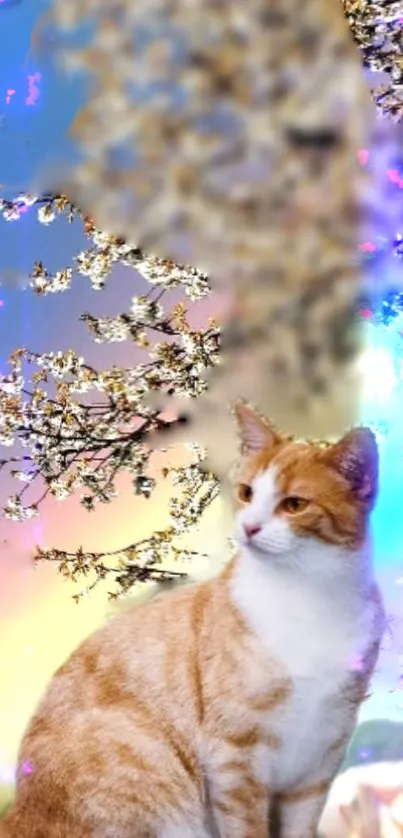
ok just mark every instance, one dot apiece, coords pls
pixel 71 443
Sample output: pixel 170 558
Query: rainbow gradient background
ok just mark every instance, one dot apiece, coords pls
pixel 39 622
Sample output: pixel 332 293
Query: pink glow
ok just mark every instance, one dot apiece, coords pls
pixel 363 156
pixel 394 176
pixel 38 534
pixel 357 663
pixel 367 247
pixel 10 93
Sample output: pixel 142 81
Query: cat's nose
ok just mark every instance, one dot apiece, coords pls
pixel 251 529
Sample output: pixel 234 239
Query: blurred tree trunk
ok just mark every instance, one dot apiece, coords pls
pixel 245 166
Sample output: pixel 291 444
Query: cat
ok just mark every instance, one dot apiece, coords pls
pixel 197 713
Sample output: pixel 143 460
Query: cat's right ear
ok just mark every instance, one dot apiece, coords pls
pixel 256 434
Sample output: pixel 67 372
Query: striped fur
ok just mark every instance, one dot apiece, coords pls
pixel 196 713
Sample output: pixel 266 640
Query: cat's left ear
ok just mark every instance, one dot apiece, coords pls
pixel 256 433
pixel 356 458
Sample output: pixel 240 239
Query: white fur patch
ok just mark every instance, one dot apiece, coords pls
pixel 308 604
pixel 183 831
pixel 316 635
pixel 276 535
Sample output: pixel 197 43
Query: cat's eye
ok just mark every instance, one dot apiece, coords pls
pixel 245 492
pixel 292 505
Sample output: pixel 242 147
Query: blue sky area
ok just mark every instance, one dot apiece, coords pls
pixel 37 104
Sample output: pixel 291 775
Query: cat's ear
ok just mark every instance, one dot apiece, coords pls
pixel 356 458
pixel 256 433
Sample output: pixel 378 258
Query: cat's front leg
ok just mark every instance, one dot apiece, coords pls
pixel 242 813
pixel 300 810
pixel 239 801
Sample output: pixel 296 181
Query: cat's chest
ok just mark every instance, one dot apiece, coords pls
pixel 307 726
pixel 314 643
pixel 310 637
pixel 312 652
pixel 314 647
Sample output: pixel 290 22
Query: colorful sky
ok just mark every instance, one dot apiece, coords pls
pixel 39 622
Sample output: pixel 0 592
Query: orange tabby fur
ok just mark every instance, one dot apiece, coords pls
pixel 175 719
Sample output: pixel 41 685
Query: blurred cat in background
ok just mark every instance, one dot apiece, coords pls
pixel 375 812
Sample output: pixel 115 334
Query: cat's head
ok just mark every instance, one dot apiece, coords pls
pixel 288 491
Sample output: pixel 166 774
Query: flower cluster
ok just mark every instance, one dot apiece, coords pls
pixel 384 313
pixel 79 427
pixel 107 250
pixel 49 207
pixel 377 29
pixel 147 559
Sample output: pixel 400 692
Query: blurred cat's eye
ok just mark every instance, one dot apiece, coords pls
pixel 293 505
pixel 245 492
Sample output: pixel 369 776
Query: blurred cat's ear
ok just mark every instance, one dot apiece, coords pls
pixel 356 458
pixel 256 433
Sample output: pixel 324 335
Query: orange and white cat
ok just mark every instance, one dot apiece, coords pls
pixel 196 713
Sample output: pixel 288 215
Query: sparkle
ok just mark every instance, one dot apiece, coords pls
pixel 367 247
pixel 33 89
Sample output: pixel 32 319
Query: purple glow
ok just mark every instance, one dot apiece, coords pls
pixel 357 663
pixel 33 89
pixel 10 93
pixel 27 768
pixel 38 533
